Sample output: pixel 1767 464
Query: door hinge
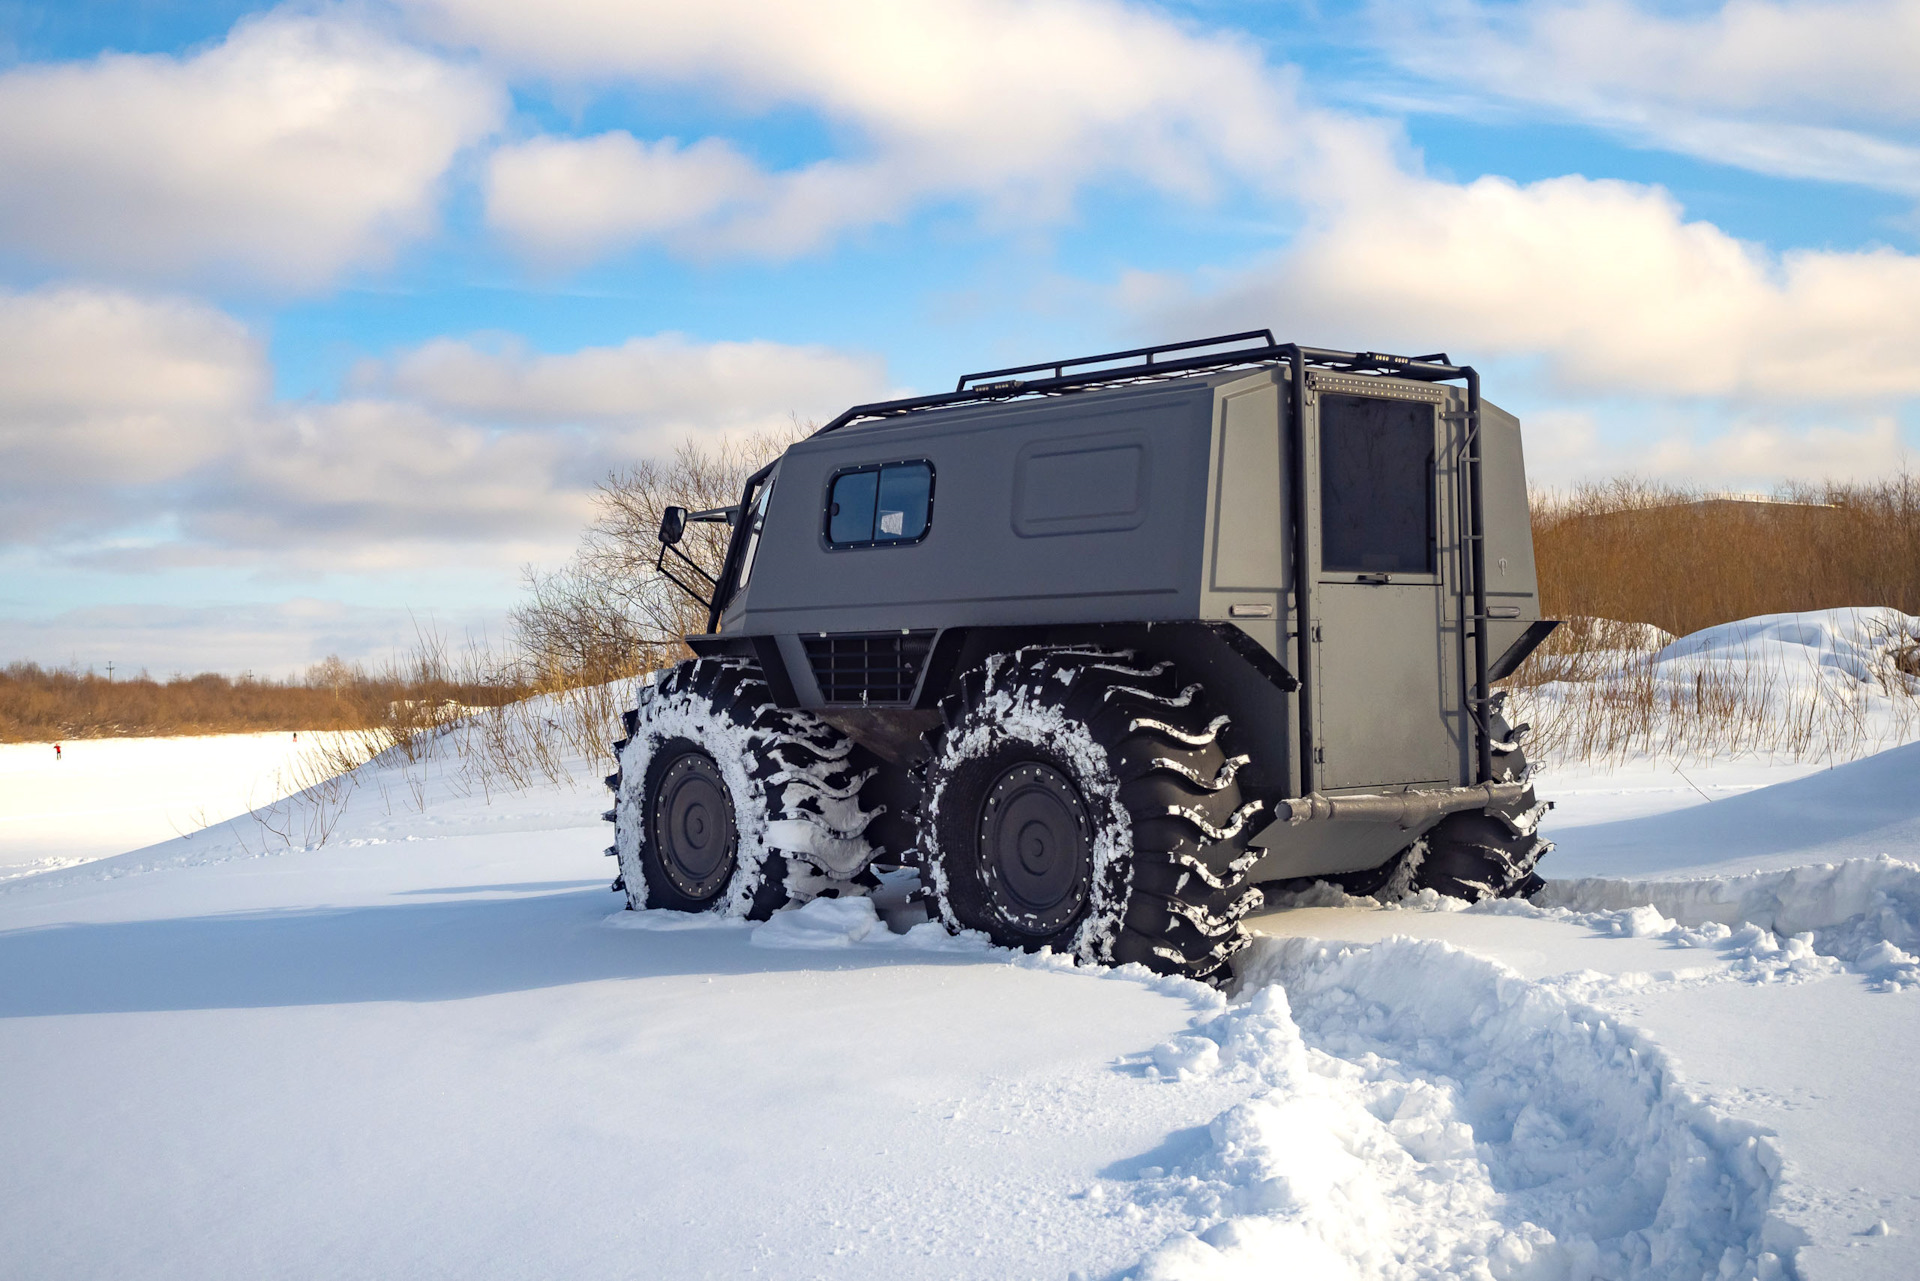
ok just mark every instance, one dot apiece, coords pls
pixel 1319 756
pixel 1316 633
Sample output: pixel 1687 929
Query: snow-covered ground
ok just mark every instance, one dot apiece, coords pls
pixel 433 1046
pixel 105 796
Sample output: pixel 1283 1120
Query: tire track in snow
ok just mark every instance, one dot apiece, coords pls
pixel 1418 1111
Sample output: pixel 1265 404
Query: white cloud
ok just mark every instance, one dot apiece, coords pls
pixel 662 381
pixel 707 198
pixel 1013 106
pixel 139 433
pixel 1852 59
pixel 100 386
pixel 1764 453
pixel 1606 281
pixel 296 148
pixel 374 484
pixel 1804 90
pixel 615 190
pixel 1566 446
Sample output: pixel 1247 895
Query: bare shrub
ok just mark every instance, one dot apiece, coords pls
pixel 609 613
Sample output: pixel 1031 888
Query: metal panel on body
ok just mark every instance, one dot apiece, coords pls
pixel 1083 509
pixel 1512 586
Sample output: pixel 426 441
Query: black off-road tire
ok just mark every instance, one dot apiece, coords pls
pixel 1492 853
pixel 1081 801
pixel 1478 856
pixel 707 763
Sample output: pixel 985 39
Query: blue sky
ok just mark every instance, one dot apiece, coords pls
pixel 320 321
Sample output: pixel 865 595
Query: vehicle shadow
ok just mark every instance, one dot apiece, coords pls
pixel 399 952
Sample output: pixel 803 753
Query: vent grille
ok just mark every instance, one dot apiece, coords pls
pixel 879 667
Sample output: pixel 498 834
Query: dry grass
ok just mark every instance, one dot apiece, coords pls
pixel 1630 564
pixel 431 750
pixel 39 704
pixel 1683 560
pixel 1633 565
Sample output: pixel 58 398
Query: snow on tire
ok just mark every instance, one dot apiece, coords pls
pixel 719 793
pixel 1082 801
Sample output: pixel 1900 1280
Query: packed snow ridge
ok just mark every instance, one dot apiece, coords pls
pixel 1420 1112
pixel 1864 911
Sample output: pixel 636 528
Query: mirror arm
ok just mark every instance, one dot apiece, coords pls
pixel 710 515
pixel 660 564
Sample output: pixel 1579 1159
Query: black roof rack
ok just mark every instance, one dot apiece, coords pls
pixel 1059 367
pixel 1152 364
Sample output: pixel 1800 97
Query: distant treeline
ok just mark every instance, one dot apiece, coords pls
pixel 1683 559
pixel 38 704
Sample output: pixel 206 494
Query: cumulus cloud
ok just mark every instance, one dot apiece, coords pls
pixel 100 388
pixel 1013 106
pixel 374 484
pixel 1607 282
pixel 1797 89
pixel 664 380
pixel 140 433
pixel 296 148
pixel 617 190
pixel 1568 445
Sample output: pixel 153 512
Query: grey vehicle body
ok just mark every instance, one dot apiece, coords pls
pixel 1351 609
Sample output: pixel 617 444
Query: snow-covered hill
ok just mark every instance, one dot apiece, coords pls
pixel 434 1046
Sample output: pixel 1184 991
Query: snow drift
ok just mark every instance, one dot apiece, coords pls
pixel 1820 685
pixel 1865 912
pixel 1420 1111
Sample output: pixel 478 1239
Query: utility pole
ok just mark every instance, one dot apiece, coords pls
pixel 109 671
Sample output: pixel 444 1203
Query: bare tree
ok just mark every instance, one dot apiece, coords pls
pixel 609 613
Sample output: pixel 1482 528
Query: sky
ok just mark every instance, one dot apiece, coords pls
pixel 320 323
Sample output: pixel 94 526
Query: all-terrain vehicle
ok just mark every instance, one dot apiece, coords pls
pixel 1100 646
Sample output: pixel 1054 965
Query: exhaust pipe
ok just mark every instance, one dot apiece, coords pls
pixel 1406 809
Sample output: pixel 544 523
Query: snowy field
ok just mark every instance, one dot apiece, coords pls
pixel 435 1047
pixel 104 796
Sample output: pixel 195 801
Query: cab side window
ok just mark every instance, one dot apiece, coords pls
pixel 880 504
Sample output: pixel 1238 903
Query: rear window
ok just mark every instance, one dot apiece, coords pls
pixel 1376 485
pixel 880 504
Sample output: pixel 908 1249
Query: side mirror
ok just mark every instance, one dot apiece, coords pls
pixel 673 523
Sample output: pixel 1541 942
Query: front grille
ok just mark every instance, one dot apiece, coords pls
pixel 875 667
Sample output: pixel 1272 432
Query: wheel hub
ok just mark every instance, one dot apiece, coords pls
pixel 1036 848
pixel 693 825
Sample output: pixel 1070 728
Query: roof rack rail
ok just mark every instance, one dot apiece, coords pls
pixel 1059 367
pixel 1152 366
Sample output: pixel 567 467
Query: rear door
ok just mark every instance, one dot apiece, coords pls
pixel 1379 656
